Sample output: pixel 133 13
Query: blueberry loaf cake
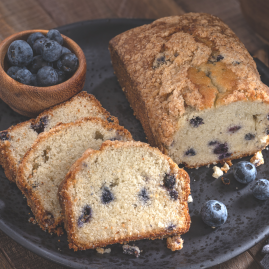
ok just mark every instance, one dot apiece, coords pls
pixel 15 141
pixel 48 160
pixel 140 194
pixel 194 87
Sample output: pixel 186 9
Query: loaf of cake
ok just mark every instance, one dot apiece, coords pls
pixel 123 192
pixel 15 141
pixel 194 87
pixel 48 160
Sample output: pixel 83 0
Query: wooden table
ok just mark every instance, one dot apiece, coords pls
pixel 17 15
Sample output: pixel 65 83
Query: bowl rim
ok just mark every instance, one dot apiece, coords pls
pixel 71 44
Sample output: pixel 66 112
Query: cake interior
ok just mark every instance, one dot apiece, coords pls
pixel 225 132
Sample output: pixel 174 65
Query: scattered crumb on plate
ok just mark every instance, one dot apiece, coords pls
pixel 217 172
pixel 257 159
pixel 174 243
pixel 103 250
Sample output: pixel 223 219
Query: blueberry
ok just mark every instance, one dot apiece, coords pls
pixel 107 196
pixel 173 194
pixel 38 45
pixel 61 76
pixel 4 135
pixel 143 195
pixel 224 155
pixel 51 51
pixel 169 181
pixel 212 143
pixel 66 50
pixel 190 152
pixel 261 189
pixel 234 129
pixel 195 122
pixel 171 227
pixel 55 35
pixel 33 37
pixel 23 76
pixel 249 136
pixel 33 81
pixel 40 126
pixel 265 249
pixel 20 53
pixel 37 63
pixel 219 58
pixel 85 216
pixel 214 213
pixel 68 63
pixel 13 70
pixel 46 76
pixel 221 148
pixel 244 172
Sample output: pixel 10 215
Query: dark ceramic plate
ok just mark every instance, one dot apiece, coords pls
pixel 248 218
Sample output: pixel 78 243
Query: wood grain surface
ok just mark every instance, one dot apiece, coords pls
pixel 16 15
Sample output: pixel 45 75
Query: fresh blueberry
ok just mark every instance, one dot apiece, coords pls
pixel 4 135
pixel 68 63
pixel 249 136
pixel 107 196
pixel 66 50
pixel 13 70
pixel 51 51
pixel 195 122
pixel 55 35
pixel 214 213
pixel 20 53
pixel 40 126
pixel 33 81
pixel 261 189
pixel 85 216
pixel 23 76
pixel 244 172
pixel 143 195
pixel 61 76
pixel 169 181
pixel 33 37
pixel 38 45
pixel 46 76
pixel 37 63
pixel 265 249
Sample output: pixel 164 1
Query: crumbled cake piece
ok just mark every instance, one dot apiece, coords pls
pixel 16 140
pixel 47 162
pixel 225 168
pixel 148 196
pixel 257 159
pixel 217 172
pixel 131 250
pixel 103 250
pixel 174 243
pixel 190 199
pixel 189 78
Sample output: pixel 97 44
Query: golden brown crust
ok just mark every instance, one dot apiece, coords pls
pixel 168 65
pixel 45 219
pixel 66 203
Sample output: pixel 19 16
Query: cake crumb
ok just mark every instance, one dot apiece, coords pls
pixel 103 250
pixel 190 200
pixel 225 168
pixel 257 159
pixel 229 163
pixel 217 172
pixel 32 220
pixel 131 250
pixel 174 243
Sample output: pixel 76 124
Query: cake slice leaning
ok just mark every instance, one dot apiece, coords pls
pixel 48 160
pixel 15 141
pixel 125 191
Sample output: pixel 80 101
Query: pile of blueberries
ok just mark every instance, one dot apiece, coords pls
pixel 214 213
pixel 42 60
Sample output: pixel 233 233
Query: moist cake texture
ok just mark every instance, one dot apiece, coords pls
pixel 48 160
pixel 125 191
pixel 15 141
pixel 194 87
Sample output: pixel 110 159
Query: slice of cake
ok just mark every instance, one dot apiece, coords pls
pixel 15 141
pixel 194 87
pixel 45 165
pixel 125 191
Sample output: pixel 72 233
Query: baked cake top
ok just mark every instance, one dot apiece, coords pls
pixel 193 61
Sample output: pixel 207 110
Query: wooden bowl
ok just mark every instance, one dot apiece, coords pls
pixel 30 100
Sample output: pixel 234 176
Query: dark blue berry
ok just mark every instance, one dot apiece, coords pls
pixel 219 57
pixel 169 181
pixel 20 53
pixel 265 249
pixel 195 122
pixel 221 148
pixel 40 126
pixel 33 37
pixel 234 129
pixel 68 63
pixel 143 195
pixel 171 227
pixel 225 155
pixel 13 70
pixel 107 196
pixel 38 45
pixel 244 172
pixel 4 135
pixel 190 152
pixel 261 189
pixel 249 136
pixel 66 50
pixel 85 216
pixel 37 63
pixel 61 76
pixel 55 35
pixel 23 76
pixel 51 51
pixel 33 81
pixel 47 76
pixel 173 194
pixel 212 143
pixel 214 213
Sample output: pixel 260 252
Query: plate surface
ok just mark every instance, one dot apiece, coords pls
pixel 248 218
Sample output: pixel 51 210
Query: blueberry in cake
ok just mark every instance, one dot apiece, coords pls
pixel 194 87
pixel 125 191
